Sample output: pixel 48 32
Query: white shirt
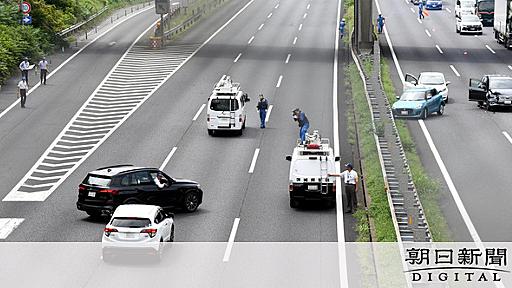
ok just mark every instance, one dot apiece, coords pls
pixel 349 177
pixel 43 64
pixel 23 85
pixel 158 183
pixel 24 65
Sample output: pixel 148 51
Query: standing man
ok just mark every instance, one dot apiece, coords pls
pixel 262 108
pixel 342 28
pixel 420 10
pixel 24 67
pixel 380 23
pixel 350 180
pixel 303 123
pixel 43 66
pixel 22 91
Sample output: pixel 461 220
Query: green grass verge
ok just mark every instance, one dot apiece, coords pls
pixel 428 189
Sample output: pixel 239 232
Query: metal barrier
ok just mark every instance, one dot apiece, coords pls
pixel 79 25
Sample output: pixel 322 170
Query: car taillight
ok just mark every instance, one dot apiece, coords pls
pixel 151 232
pixel 240 118
pixel 333 186
pixel 111 191
pixel 81 188
pixel 109 230
pixel 207 117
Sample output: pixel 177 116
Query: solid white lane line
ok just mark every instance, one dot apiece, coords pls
pixel 71 58
pixel 448 9
pixel 305 15
pixel 300 27
pixel 419 20
pixel 168 158
pixel 455 70
pixel 412 10
pixel 237 58
pixel 428 33
pixel 254 158
pixel 509 67
pixel 449 182
pixel 269 15
pixel 268 113
pixel 439 49
pixel 250 40
pixel 294 40
pixel 287 59
pixel 261 26
pixel 309 5
pixel 231 240
pixel 279 81
pixel 490 49
pixel 7 225
pixel 505 133
pixel 277 6
pixel 202 107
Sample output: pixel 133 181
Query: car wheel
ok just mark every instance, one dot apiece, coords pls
pixel 441 110
pixel 191 201
pixel 294 203
pixel 171 238
pixel 424 114
pixel 210 132
pixel 489 107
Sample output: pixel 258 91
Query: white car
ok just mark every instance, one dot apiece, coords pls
pixel 137 228
pixel 469 24
pixel 465 7
pixel 430 80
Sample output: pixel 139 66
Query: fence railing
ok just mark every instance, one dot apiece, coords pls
pixel 79 25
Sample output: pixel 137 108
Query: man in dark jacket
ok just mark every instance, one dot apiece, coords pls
pixel 262 108
pixel 303 123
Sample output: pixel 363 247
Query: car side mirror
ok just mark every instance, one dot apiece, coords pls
pixel 397 97
pixel 288 157
pixel 448 83
pixel 429 97
pixel 169 215
pixel 337 158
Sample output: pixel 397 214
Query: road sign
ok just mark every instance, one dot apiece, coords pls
pixel 25 8
pixel 27 20
pixel 162 6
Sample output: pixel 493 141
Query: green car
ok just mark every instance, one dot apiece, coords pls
pixel 418 102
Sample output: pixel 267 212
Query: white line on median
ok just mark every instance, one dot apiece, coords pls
pixel 455 70
pixel 250 40
pixel 309 5
pixel 305 15
pixel 168 158
pixel 269 15
pixel 294 40
pixel 287 59
pixel 300 27
pixel 448 9
pixel 254 158
pixel 279 81
pixel 439 49
pixel 71 58
pixel 7 225
pixel 490 49
pixel 428 33
pixel 237 58
pixel 261 26
pixel 231 240
pixel 201 109
pixel 505 133
pixel 268 113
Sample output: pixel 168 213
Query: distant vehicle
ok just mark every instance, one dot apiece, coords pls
pixel 429 80
pixel 491 91
pixel 469 24
pixel 503 22
pixel 137 229
pixel 434 5
pixel 485 11
pixel 464 7
pixel 417 2
pixel 106 188
pixel 310 164
pixel 418 103
pixel 226 107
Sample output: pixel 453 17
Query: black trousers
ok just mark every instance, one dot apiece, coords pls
pixel 24 73
pixel 23 96
pixel 43 76
pixel 350 190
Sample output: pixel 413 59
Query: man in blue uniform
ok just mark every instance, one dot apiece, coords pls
pixel 300 117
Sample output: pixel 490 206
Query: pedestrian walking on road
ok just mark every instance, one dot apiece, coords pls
pixel 350 180
pixel 43 67
pixel 380 23
pixel 342 28
pixel 262 108
pixel 300 117
pixel 25 67
pixel 420 10
pixel 22 91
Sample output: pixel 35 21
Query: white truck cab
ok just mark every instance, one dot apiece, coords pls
pixel 309 168
pixel 226 107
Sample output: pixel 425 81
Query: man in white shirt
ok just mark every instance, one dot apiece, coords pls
pixel 350 181
pixel 159 179
pixel 25 67
pixel 43 66
pixel 22 91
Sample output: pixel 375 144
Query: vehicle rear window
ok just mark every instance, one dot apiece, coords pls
pixel 504 83
pixel 127 222
pixel 470 18
pixel 224 104
pixel 413 96
pixel 96 180
pixel 431 79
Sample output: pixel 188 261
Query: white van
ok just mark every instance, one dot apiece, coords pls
pixel 226 107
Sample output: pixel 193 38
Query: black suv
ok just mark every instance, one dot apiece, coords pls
pixel 491 91
pixel 106 188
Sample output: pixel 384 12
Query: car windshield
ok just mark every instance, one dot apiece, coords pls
pixel 413 96
pixel 431 79
pixel 470 18
pixel 96 180
pixel 127 222
pixel 486 6
pixel 501 83
pixel 224 105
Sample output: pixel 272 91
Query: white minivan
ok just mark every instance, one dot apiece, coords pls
pixel 226 107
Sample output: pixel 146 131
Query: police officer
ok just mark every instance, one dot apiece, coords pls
pixel 22 91
pixel 262 108
pixel 420 10
pixel 342 28
pixel 43 66
pixel 380 23
pixel 24 67
pixel 300 117
pixel 350 181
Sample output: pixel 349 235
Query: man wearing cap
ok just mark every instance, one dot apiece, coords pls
pixel 22 91
pixel 303 123
pixel 350 180
pixel 24 67
pixel 43 66
pixel 262 108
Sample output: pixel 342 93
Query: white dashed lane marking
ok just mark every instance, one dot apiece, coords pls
pixel 168 158
pixel 305 15
pixel 287 58
pixel 428 33
pixel 268 113
pixel 439 49
pixel 201 109
pixel 509 67
pixel 269 15
pixel 231 240
pixel 448 9
pixel 254 158
pixel 490 49
pixel 261 26
pixel 505 133
pixel 300 27
pixel 295 41
pixel 7 225
pixel 250 40
pixel 309 5
pixel 237 58
pixel 419 20
pixel 279 81
pixel 455 70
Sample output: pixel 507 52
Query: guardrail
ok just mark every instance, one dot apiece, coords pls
pixel 182 26
pixel 79 25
